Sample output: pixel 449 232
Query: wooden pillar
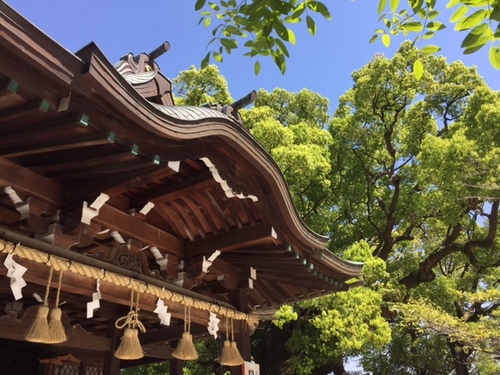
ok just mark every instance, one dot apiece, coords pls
pixel 176 366
pixel 111 364
pixel 239 299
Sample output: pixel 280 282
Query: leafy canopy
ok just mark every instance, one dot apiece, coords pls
pixel 478 18
pixel 414 194
pixel 263 26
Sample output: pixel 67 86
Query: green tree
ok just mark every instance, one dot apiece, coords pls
pixel 415 172
pixel 152 369
pixel 417 161
pixel 292 127
pixel 198 87
pixel 318 333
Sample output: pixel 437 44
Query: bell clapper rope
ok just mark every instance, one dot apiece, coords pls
pixel 56 326
pixel 130 347
pixel 237 358
pixel 185 349
pixel 39 330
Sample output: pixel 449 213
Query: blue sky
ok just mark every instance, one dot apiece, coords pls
pixel 323 63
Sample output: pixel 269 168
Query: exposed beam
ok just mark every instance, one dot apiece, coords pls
pixel 170 333
pixel 247 236
pixel 43 131
pixel 24 110
pixel 30 183
pixel 114 184
pixel 14 150
pixel 166 193
pixel 8 86
pixel 123 164
pixel 86 160
pixel 130 226
pixel 164 169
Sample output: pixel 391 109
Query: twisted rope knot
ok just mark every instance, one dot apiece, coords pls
pixel 131 320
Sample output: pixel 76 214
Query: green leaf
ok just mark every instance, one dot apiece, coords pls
pixel 281 30
pixel 233 30
pixel 311 25
pixel 229 43
pixel 476 36
pixel 299 10
pixel 429 34
pixel 433 14
pixel 319 7
pixel 217 56
pixel 211 41
pixel 459 13
pixel 208 21
pixel 282 47
pixel 279 60
pixel 292 19
pixel 422 13
pixel 205 61
pixel 291 37
pixel 436 26
pixel 214 6
pixel 381 6
pixel 413 26
pixel 280 6
pixel 394 5
pixel 199 4
pixel 373 38
pixel 474 49
pixel 386 40
pixel 267 28
pixel 430 49
pixel 416 6
pixel 495 57
pixel 473 20
pixel 256 68
pixel 418 69
pixel 452 3
pixel 495 13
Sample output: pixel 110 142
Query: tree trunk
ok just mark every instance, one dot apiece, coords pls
pixel 460 358
pixel 338 367
pixel 271 352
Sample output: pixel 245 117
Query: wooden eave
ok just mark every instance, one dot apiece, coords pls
pixel 77 135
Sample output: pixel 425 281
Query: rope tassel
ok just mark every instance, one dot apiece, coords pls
pixel 56 327
pixel 230 355
pixel 185 349
pixel 130 346
pixel 39 330
pixel 237 358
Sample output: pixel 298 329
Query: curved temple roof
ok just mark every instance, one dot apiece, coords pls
pixel 95 162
